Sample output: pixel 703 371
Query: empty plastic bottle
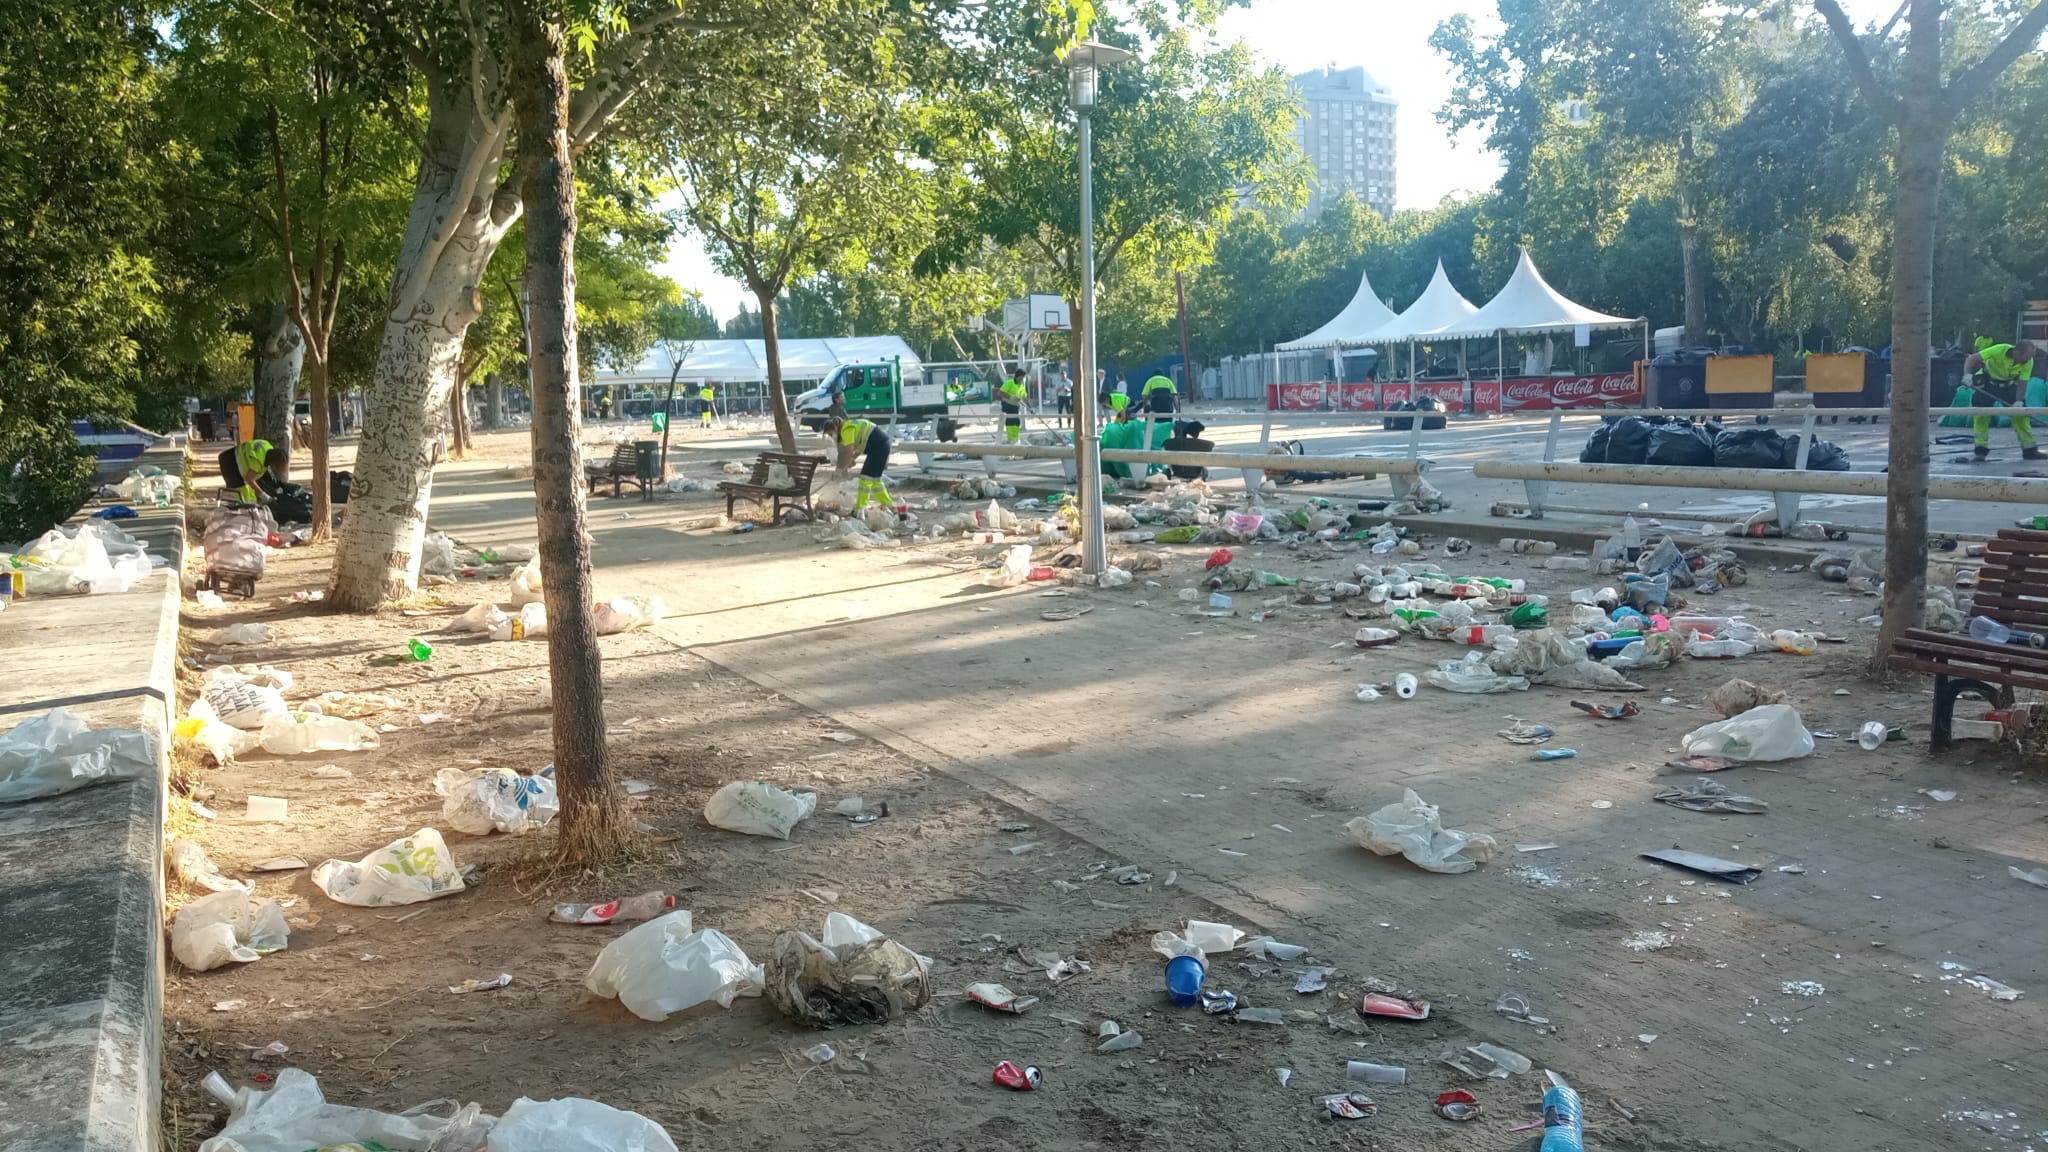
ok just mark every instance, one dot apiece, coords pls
pixel 1718 649
pixel 1985 628
pixel 1631 537
pixel 1563 1119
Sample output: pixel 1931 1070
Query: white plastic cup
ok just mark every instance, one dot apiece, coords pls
pixel 1405 685
pixel 1870 737
pixel 1364 1072
pixel 271 809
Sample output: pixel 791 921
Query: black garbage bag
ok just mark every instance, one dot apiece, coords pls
pixel 1749 448
pixel 1681 446
pixel 1825 455
pixel 1595 451
pixel 1628 442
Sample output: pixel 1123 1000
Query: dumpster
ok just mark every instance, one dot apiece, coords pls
pixel 1944 376
pixel 1855 378
pixel 1679 379
pixel 1739 382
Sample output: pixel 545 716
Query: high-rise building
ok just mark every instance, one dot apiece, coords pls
pixel 1346 127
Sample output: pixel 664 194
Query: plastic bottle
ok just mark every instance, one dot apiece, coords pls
pixel 1405 685
pixel 1687 622
pixel 1516 599
pixel 1531 547
pixel 1795 643
pixel 1482 633
pixel 1384 547
pixel 1985 628
pixel 1718 649
pixel 1631 537
pixel 419 650
pixel 1498 584
pixel 1405 590
pixel 645 906
pixel 1365 1072
pixel 1563 1119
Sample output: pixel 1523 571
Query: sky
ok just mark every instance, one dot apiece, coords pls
pixel 1389 37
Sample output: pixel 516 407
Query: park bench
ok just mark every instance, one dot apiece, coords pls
pixel 623 468
pixel 2012 588
pixel 797 495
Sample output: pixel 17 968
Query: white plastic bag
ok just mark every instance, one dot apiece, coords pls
pixel 1413 829
pixel 663 967
pixel 575 1125
pixel 437 555
pixel 1473 676
pixel 531 622
pixel 758 808
pixel 495 799
pixel 81 561
pixel 57 752
pixel 189 863
pixel 526 585
pixel 291 733
pixel 1766 732
pixel 228 927
pixel 202 728
pixel 1112 577
pixel 240 702
pixel 418 867
pixel 294 1116
pixel 480 618
pixel 246 633
pixel 1015 570
pixel 628 613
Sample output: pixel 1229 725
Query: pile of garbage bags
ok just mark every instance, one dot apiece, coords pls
pixel 1674 441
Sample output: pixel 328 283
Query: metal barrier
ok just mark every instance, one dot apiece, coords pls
pixel 1254 465
pixel 1785 485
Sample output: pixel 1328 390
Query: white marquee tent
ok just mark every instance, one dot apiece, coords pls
pixel 746 361
pixel 1362 315
pixel 1437 308
pixel 1527 304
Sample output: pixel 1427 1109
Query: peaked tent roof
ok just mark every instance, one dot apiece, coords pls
pixel 1438 307
pixel 1526 303
pixel 1362 315
pixel 740 361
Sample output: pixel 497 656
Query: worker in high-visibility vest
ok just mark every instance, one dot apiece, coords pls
pixel 705 396
pixel 852 435
pixel 1011 397
pixel 1160 396
pixel 253 461
pixel 1999 372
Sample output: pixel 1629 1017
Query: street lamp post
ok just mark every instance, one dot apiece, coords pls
pixel 1084 60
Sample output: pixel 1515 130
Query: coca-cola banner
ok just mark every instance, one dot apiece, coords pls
pixel 1449 393
pixel 1321 396
pixel 1542 393
pixel 1358 397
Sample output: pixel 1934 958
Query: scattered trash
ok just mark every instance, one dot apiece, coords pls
pixel 1564 1125
pixel 1285 1074
pixel 1311 981
pixel 1938 795
pixel 1021 849
pixel 1121 1042
pixel 1709 796
pixel 572 1125
pixel 1394 1007
pixel 1648 941
pixel 405 871
pixel 1737 696
pixel 2038 877
pixel 820 1053
pixel 1405 685
pixel 1555 754
pixel 1375 637
pixel 1520 733
pixel 280 864
pixel 1646 1038
pixel 1802 988
pixel 1620 711
pixel 265 810
pixel 1267 946
pixel 293 1114
pixel 1713 866
pixel 228 927
pixel 1764 733
pixel 632 909
pixel 1015 826
pixel 1184 976
pixel 1984 984
pixel 474 985
pixel 1258 1016
pixel 854 975
pixel 1000 998
pixel 1211 937
pixel 1366 1072
pixel 57 752
pixel 1219 1003
pixel 758 808
pixel 1016 1079
pixel 1457 1105
pixel 1350 1105
pixel 1796 869
pixel 1412 828
pixel 246 634
pixel 189 863
pixel 663 967
pixel 1601 804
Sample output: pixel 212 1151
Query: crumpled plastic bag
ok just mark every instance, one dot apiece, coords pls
pixel 354 705
pixel 437 555
pixel 856 975
pixel 1546 656
pixel 758 808
pixel 1113 577
pixel 95 559
pixel 246 633
pixel 779 477
pixel 293 1116
pixel 1737 696
pixel 575 1125
pixel 57 752
pixel 628 613
pixel 1015 570
pixel 495 799
pixel 240 700
pixel 406 871
pixel 1766 732
pixel 230 927
pixel 662 967
pixel 189 863
pixel 1472 677
pixel 479 618
pixel 202 728
pixel 836 495
pixel 1413 829
pixel 526 584
pixel 530 622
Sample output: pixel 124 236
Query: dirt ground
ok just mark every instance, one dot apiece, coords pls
pixel 967 710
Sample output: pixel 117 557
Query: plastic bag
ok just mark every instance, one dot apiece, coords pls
pixel 1472 676
pixel 246 633
pixel 495 799
pixel 355 705
pixel 406 871
pixel 526 584
pixel 480 618
pixel 1680 446
pixel 437 555
pixel 57 752
pixel 1015 570
pixel 1628 442
pixel 1113 577
pixel 227 928
pixel 189 863
pixel 1595 449
pixel 1766 732
pixel 855 976
pixel 1749 448
pixel 758 808
pixel 532 621
pixel 628 613
pixel 235 538
pixel 292 733
pixel 94 558
pixel 1413 828
pixel 241 703
pixel 203 729
pixel 575 1125
pixel 663 967
pixel 293 1116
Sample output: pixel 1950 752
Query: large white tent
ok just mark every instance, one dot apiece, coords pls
pixel 1349 328
pixel 746 361
pixel 1526 303
pixel 1437 308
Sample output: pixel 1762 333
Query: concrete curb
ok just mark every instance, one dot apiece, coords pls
pixel 81 875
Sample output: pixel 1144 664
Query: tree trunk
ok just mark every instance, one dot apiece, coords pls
pixel 1695 272
pixel 593 822
pixel 316 425
pixel 778 403
pixel 279 359
pixel 494 402
pixel 458 420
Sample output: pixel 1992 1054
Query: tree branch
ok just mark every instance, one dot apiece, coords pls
pixel 1887 106
pixel 284 225
pixel 1971 84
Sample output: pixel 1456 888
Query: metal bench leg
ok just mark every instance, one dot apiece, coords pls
pixel 1948 689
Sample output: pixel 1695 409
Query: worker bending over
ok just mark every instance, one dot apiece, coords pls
pixel 1160 396
pixel 1999 372
pixel 853 434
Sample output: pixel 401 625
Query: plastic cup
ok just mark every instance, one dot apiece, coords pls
pixel 268 809
pixel 1405 685
pixel 1184 980
pixel 1871 736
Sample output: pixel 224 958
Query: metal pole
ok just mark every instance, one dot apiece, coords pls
pixel 1187 363
pixel 1087 452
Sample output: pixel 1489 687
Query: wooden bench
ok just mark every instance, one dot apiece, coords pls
pixel 622 469
pixel 2012 588
pixel 802 471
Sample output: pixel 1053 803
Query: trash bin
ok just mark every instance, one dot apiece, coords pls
pixel 1944 376
pixel 1679 379
pixel 1852 378
pixel 203 424
pixel 649 453
pixel 1739 381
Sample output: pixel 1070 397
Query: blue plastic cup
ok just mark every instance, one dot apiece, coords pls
pixel 1184 979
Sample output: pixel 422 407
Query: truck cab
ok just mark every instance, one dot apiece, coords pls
pixel 876 391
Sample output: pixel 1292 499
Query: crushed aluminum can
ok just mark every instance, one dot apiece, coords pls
pixel 1459 1105
pixel 1025 1079
pixel 1349 1105
pixel 1219 1003
pixel 1000 998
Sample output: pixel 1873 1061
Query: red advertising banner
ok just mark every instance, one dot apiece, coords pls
pixel 1542 393
pixel 1358 397
pixel 1449 393
pixel 1296 397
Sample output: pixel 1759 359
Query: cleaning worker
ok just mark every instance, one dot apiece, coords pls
pixel 853 434
pixel 705 397
pixel 248 471
pixel 1160 396
pixel 1011 396
pixel 1999 372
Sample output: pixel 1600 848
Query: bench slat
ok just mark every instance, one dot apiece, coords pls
pixel 1932 668
pixel 1968 652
